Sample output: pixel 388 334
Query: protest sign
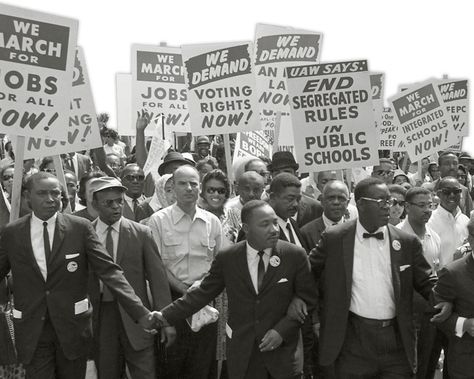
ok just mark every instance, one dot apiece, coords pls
pixel 277 47
pixel 252 144
pixel 332 115
pixel 389 138
pixel 455 94
pixel 221 88
pixel 424 122
pixel 377 80
pixel 83 130
pixel 36 61
pixel 158 86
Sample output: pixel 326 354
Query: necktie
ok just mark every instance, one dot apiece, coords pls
pixel 261 270
pixel 290 233
pixel 378 235
pixel 109 245
pixel 47 246
pixel 135 205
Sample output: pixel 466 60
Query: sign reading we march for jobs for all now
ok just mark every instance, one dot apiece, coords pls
pixel 333 116
pixel 37 53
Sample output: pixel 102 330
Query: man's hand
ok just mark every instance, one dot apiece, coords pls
pixel 446 309
pixel 468 326
pixel 316 328
pixel 168 335
pixel 148 322
pixel 297 310
pixel 143 120
pixel 270 341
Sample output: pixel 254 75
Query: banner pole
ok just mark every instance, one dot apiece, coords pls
pixel 228 159
pixel 17 178
pixel 276 135
pixel 58 166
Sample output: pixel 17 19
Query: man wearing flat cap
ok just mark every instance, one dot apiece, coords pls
pixel 50 255
pixel 118 339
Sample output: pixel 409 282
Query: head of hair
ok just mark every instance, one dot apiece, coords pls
pixel 396 188
pixel 44 162
pixel 81 193
pixel 411 193
pixel 445 154
pixel 67 171
pixel 3 169
pixel 112 133
pixel 217 175
pixel 462 168
pixel 183 168
pixel 248 209
pixel 31 180
pixel 362 188
pixel 247 165
pixel 128 166
pixel 282 181
pixel 446 179
pixel 201 163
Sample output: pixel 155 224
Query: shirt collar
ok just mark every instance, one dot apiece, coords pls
pixel 445 212
pixel 360 230
pixel 253 253
pixel 51 220
pixel 177 213
pixel 328 222
pixel 282 222
pixel 102 226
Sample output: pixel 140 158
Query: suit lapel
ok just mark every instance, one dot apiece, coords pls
pixel 122 241
pixel 59 232
pixel 394 262
pixel 271 271
pixel 26 232
pixel 128 212
pixel 244 267
pixel 348 251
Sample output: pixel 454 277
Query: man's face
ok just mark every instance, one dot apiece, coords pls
pixel 109 205
pixel 419 209
pixel 203 149
pixel 279 170
pixel 45 197
pixel 325 177
pixel 449 192
pixel 286 203
pixel 384 172
pixel 186 186
pixel 115 164
pixel 134 179
pixel 334 202
pixel 374 213
pixel 448 165
pixel 250 189
pixel 71 184
pixel 262 228
pixel 260 168
pixel 425 162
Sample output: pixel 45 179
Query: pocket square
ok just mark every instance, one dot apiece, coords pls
pixel 404 267
pixel 70 256
pixel 282 280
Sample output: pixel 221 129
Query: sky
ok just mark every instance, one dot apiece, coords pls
pixel 407 40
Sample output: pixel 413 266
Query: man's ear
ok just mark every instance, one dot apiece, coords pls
pixel 245 228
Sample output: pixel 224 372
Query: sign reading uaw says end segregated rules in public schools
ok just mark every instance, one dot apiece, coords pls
pixel 332 115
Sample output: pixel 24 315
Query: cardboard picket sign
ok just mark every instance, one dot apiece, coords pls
pixel 158 86
pixel 389 137
pixel 332 116
pixel 37 53
pixel 277 47
pixel 455 93
pixel 83 130
pixel 377 81
pixel 425 124
pixel 221 88
pixel 252 144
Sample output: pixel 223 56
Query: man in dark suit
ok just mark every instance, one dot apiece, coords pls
pixel 334 199
pixel 133 179
pixel 367 272
pixel 79 164
pixel 308 208
pixel 261 276
pixel 118 338
pixel 50 255
pixel 285 195
pixel 456 285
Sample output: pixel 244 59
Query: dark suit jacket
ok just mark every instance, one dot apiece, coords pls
pixel 144 210
pixel 138 256
pixel 311 232
pixel 308 210
pixel 332 263
pixel 251 315
pixel 298 234
pixel 456 285
pixel 128 211
pixel 76 249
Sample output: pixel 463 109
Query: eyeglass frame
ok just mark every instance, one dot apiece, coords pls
pixel 429 206
pixel 385 202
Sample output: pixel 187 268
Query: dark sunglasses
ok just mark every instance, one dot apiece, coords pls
pixel 451 191
pixel 7 177
pixel 131 178
pixel 211 190
pixel 398 202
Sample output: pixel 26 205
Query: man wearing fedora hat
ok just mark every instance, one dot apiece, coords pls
pixel 308 209
pixel 131 245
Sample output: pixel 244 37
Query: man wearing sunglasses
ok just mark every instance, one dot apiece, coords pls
pixel 367 271
pixel 133 178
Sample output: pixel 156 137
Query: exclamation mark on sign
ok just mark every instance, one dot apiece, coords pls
pixel 55 116
pixel 86 132
pixel 446 136
pixel 248 117
pixel 185 119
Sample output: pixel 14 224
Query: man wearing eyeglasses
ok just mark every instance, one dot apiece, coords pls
pixel 367 271
pixel 133 178
pixel 384 171
pixel 118 340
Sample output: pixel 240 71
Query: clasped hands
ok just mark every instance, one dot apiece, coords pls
pixel 153 321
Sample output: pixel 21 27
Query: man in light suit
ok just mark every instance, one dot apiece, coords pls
pixel 368 271
pixel 131 245
pixel 261 276
pixel 50 255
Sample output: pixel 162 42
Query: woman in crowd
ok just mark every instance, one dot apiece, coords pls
pixel 47 165
pixel 85 197
pixel 397 210
pixel 399 177
pixel 163 197
pixel 204 166
pixel 462 175
pixel 7 181
pixel 433 171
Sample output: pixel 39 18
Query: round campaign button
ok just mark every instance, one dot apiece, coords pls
pixel 72 266
pixel 396 245
pixel 275 261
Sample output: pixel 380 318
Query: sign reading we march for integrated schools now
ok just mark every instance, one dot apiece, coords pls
pixel 425 124
pixel 332 114
pixel 158 86
pixel 83 130
pixel 221 88
pixel 37 53
pixel 277 47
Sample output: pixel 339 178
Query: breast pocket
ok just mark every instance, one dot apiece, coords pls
pixel 173 247
pixel 210 246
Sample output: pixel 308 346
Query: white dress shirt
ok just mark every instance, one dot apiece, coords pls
pixel 327 222
pixel 283 225
pixel 101 229
pixel 252 260
pixel 37 243
pixel 372 286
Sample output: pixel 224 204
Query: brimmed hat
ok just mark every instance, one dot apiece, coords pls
pixel 172 156
pixel 203 139
pixel 282 159
pixel 105 182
